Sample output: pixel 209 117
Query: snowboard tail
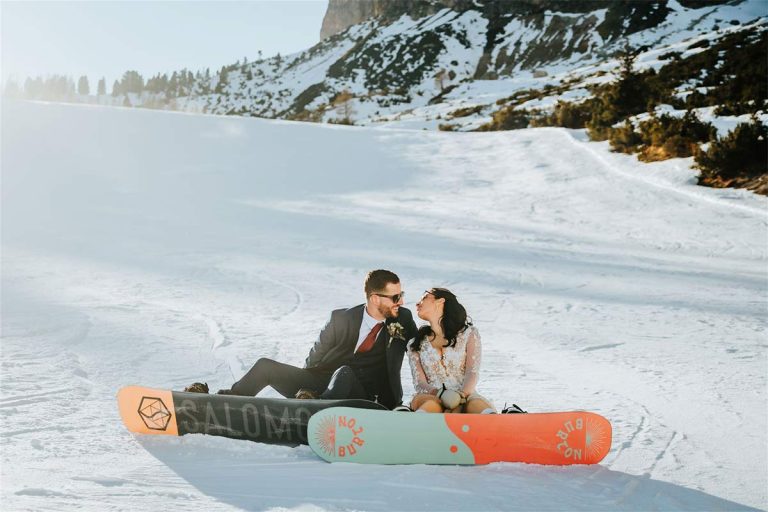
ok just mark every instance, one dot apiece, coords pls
pixel 342 434
pixel 265 420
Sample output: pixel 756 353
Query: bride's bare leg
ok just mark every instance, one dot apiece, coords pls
pixel 426 403
pixel 478 405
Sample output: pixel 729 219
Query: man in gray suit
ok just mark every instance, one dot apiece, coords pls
pixel 359 352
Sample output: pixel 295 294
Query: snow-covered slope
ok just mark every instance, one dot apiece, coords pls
pixel 154 248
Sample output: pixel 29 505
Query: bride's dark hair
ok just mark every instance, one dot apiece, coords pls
pixel 453 321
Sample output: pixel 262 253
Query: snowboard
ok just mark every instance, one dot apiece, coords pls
pixel 266 420
pixel 343 434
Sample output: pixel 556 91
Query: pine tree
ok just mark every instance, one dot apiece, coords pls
pixel 133 82
pixel 33 87
pixel 627 96
pixel 189 83
pixel 206 87
pixel 172 91
pixel 57 87
pixel 102 87
pixel 83 88
pixel 116 89
pixel 12 89
pixel 223 78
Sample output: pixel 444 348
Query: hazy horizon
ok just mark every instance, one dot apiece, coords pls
pixel 104 39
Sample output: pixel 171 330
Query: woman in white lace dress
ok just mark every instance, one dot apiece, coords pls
pixel 445 357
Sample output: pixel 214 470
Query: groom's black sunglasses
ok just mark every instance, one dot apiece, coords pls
pixel 394 298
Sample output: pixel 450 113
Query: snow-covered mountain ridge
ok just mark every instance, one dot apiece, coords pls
pixel 419 63
pixel 412 69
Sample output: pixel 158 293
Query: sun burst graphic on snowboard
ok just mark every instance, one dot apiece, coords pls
pixel 597 441
pixel 325 435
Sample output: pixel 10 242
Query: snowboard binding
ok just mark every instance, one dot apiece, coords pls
pixel 197 387
pixel 514 409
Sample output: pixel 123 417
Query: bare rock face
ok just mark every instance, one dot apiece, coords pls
pixel 342 14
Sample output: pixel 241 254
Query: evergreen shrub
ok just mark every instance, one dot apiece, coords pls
pixel 739 159
pixel 567 114
pixel 508 119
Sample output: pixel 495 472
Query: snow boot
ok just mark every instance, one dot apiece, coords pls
pixel 197 387
pixel 306 394
pixel 515 409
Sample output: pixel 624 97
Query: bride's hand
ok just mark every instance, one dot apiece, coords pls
pixel 451 398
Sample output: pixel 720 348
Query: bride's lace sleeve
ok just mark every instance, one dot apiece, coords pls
pixel 472 365
pixel 420 383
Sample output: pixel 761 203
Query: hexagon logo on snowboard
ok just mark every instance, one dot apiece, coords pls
pixel 154 413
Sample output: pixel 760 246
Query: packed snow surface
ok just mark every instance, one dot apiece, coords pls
pixel 154 248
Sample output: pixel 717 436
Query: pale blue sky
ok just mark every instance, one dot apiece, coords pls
pixel 105 38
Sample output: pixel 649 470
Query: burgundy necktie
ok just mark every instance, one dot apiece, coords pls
pixel 370 339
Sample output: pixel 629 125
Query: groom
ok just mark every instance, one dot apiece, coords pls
pixel 358 355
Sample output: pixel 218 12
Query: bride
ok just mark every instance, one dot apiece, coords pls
pixel 445 357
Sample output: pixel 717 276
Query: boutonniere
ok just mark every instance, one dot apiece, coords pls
pixel 396 331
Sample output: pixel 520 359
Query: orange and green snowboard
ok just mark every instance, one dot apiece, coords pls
pixel 342 434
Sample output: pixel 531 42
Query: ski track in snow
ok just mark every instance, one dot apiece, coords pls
pixel 691 192
pixel 596 283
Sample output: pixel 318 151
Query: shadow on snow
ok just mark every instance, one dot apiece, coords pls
pixel 258 477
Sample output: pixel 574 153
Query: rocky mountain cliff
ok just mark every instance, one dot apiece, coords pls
pixel 342 14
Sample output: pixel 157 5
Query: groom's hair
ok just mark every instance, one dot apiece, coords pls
pixel 377 280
